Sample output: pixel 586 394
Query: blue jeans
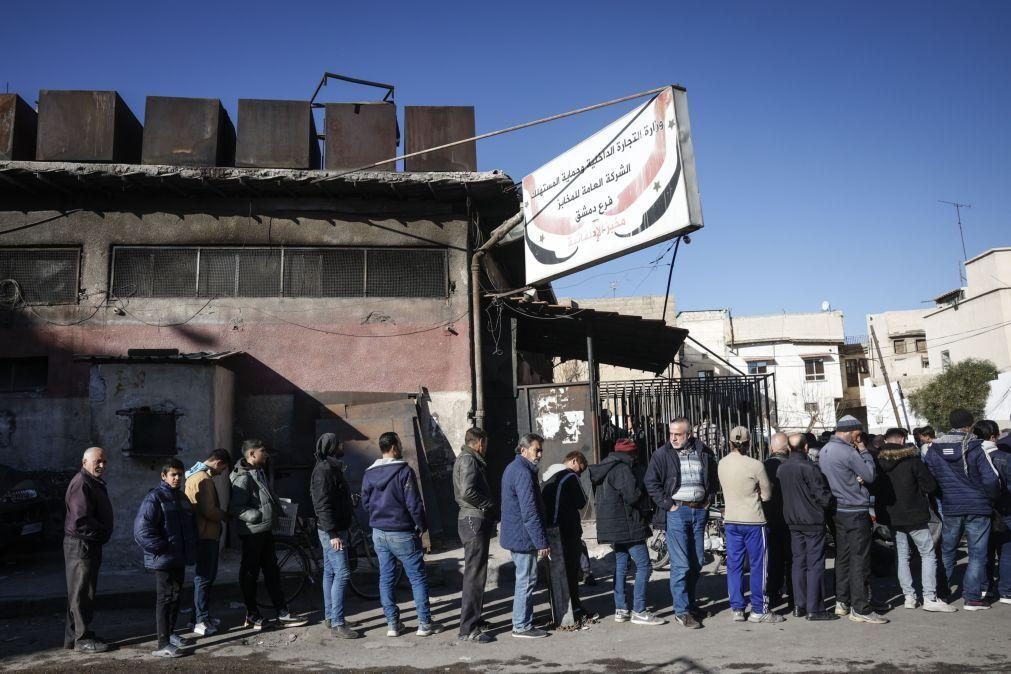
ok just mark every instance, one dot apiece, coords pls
pixel 523 593
pixel 404 546
pixel 746 540
pixel 335 578
pixel 977 531
pixel 637 553
pixel 686 528
pixel 203 578
pixel 921 538
pixel 1004 557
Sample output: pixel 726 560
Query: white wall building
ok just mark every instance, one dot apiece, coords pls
pixel 902 336
pixel 803 350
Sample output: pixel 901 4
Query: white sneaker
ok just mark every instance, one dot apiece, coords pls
pixel 647 618
pixel 1005 600
pixel 938 606
pixel 395 630
pixel 910 602
pixel 622 615
pixel 205 629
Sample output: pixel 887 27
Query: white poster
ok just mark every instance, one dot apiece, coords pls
pixel 627 187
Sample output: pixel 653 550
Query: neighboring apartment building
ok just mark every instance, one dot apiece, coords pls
pixel 974 321
pixel 802 350
pixel 902 336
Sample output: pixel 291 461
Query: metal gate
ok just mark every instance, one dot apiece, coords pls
pixel 641 409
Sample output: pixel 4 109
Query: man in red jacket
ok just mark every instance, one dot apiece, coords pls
pixel 87 527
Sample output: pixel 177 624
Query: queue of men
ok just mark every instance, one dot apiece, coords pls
pixel 777 513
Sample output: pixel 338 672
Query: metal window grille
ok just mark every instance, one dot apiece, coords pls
pixel 45 275
pixel 279 272
pixel 153 433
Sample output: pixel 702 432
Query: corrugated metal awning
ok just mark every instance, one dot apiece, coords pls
pixel 159 356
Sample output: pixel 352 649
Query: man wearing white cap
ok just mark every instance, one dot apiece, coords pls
pixel 849 471
pixel 745 486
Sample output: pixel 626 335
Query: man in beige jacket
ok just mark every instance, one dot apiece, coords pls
pixel 203 495
pixel 745 486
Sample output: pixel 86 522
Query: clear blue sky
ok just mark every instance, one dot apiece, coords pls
pixel 824 132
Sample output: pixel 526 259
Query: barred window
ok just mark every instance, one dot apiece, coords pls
pixel 44 275
pixel 279 272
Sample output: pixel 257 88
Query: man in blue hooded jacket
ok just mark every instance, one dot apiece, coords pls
pixel 391 497
pixel 164 529
pixel 968 486
pixel 523 531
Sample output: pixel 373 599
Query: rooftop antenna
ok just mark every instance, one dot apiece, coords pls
pixel 614 288
pixel 961 232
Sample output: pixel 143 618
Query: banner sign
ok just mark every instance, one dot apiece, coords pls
pixel 627 187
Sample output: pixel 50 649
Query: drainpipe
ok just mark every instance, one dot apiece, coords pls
pixel 475 309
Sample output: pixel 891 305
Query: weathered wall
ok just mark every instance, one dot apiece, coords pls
pixel 39 433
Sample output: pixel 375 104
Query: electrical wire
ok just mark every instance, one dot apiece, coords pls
pixel 62 214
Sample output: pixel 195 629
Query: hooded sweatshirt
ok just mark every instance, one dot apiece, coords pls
pixel 391 498
pixel 968 483
pixel 563 499
pixel 331 495
pixel 902 487
pixel 622 504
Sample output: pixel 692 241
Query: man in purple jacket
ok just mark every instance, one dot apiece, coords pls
pixel 87 527
pixel 391 497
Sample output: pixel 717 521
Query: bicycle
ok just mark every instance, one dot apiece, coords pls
pixel 714 542
pixel 300 560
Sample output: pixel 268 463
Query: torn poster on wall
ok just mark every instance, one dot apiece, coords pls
pixel 555 421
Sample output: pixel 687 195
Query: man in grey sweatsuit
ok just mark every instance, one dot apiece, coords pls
pixel 849 471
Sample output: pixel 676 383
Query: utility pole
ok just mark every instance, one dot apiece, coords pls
pixel 884 373
pixel 961 232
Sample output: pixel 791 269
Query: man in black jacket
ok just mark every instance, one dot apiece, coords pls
pixel 900 501
pixel 87 526
pixel 476 525
pixel 563 500
pixel 622 508
pixel 806 497
pixel 779 555
pixel 331 499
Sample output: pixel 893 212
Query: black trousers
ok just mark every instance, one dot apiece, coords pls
pixel 853 559
pixel 258 554
pixel 808 570
pixel 780 560
pixel 82 561
pixel 475 533
pixel 168 588
pixel 572 548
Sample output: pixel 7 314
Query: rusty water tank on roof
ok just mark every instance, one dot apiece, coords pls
pixel 18 124
pixel 87 126
pixel 276 134
pixel 187 132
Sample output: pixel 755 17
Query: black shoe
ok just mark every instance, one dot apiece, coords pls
pixel 180 641
pixel 483 626
pixel 344 632
pixel 687 620
pixel 476 637
pixel 91 646
pixel 822 615
pixel 799 612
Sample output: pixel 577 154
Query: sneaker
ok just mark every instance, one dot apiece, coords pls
pixel 910 602
pixel 343 632
pixel 91 646
pixel 168 651
pixel 477 637
pixel 767 617
pixel 622 615
pixel 738 615
pixel 842 609
pixel 395 629
pixel 975 605
pixel 326 623
pixel 181 642
pixel 286 619
pixel 254 621
pixel 530 633
pixel 821 615
pixel 647 618
pixel 869 618
pixel 938 606
pixel 205 629
pixel 428 629
pixel 687 620
pixel 1005 600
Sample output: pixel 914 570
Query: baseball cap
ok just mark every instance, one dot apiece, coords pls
pixel 739 435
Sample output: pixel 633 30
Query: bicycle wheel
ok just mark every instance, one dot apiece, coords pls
pixel 364 565
pixel 295 569
pixel 659 556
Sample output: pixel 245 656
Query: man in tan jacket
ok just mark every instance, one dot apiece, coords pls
pixel 745 486
pixel 203 495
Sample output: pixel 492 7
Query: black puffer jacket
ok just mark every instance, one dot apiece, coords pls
pixel 806 495
pixel 331 495
pixel 622 502
pixel 902 487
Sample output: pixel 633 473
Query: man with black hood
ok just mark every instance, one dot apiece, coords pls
pixel 969 486
pixel 622 508
pixel 563 500
pixel 392 499
pixel 900 501
pixel 331 499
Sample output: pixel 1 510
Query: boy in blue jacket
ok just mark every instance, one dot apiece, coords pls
pixel 165 531
pixel 391 497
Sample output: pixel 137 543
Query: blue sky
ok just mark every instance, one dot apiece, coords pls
pixel 824 132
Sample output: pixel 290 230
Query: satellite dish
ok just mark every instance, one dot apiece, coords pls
pixel 825 305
